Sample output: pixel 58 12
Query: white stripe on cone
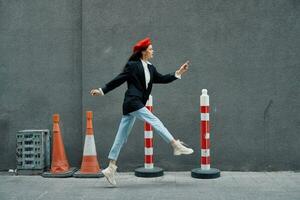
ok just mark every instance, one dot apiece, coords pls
pixel 149 166
pixel 89 146
pixel 150 101
pixel 207 136
pixel 204 116
pixel 148 151
pixel 148 134
pixel 205 152
pixel 205 167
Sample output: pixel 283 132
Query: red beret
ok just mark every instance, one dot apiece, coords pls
pixel 144 43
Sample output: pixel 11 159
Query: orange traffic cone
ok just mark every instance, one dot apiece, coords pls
pixel 59 165
pixel 89 166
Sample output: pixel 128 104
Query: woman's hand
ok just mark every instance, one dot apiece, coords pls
pixel 96 92
pixel 183 68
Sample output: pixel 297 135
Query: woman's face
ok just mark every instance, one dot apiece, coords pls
pixel 148 53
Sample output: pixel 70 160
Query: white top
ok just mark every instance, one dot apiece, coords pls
pixel 147 73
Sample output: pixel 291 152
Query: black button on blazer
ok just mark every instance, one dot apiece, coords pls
pixel 136 95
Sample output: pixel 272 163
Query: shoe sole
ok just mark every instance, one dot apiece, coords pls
pixel 110 182
pixel 183 153
pixel 108 179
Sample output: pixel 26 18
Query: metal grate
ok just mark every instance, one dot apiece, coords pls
pixel 33 149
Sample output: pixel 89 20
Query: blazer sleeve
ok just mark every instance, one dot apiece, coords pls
pixel 118 80
pixel 159 78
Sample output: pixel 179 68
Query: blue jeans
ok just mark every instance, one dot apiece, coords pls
pixel 126 125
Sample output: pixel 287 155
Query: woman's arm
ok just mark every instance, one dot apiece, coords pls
pixel 116 82
pixel 159 78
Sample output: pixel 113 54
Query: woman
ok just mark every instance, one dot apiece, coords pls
pixel 139 74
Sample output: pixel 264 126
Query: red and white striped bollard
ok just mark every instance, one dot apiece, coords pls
pixel 204 127
pixel 148 138
pixel 205 171
pixel 149 170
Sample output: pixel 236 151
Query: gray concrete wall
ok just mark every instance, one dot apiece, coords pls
pixel 244 52
pixel 40 72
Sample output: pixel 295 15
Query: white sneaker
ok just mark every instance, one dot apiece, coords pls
pixel 180 149
pixel 109 174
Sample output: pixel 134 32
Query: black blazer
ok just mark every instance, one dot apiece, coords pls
pixel 136 95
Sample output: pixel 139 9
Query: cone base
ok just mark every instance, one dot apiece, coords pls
pixel 66 174
pixel 205 174
pixel 79 174
pixel 149 173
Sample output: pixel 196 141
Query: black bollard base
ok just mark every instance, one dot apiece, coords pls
pixel 149 173
pixel 205 174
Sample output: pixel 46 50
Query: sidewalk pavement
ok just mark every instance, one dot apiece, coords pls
pixel 171 186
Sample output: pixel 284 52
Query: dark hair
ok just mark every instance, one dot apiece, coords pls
pixel 136 55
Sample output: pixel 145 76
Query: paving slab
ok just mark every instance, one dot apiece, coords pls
pixel 173 185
